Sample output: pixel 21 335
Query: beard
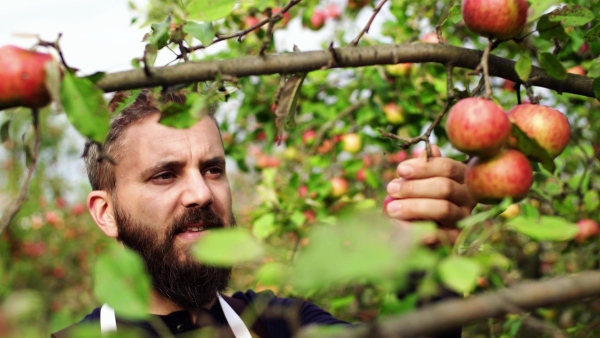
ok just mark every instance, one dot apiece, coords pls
pixel 175 274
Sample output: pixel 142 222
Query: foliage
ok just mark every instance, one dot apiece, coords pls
pixel 283 182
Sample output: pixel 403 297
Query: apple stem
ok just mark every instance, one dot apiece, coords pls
pixel 486 72
pixel 354 42
pixel 22 196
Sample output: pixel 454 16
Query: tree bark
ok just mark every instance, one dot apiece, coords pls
pixel 451 314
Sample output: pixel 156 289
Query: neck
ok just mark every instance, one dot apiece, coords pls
pixel 160 305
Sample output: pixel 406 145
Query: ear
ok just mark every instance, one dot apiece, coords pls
pixel 101 209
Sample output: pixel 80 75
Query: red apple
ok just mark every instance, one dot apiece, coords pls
pixel 52 217
pixel 496 19
pixel 351 143
pixel 361 175
pixel 22 77
pixel 507 174
pixel 316 19
pixel 586 228
pixel 286 16
pixel 549 127
pixel 399 69
pixel 251 21
pixel 308 137
pixel 310 216
pixel 333 11
pixel 60 202
pixel 577 70
pixel 339 186
pixel 430 38
pixel 397 157
pixel 394 113
pixel 508 85
pixel 78 209
pixel 477 127
pixel 325 147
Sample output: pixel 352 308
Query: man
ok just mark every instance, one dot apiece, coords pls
pixel 167 186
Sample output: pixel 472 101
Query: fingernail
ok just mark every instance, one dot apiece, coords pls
pixel 405 170
pixel 393 188
pixel 394 207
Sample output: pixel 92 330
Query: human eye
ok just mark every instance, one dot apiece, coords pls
pixel 215 171
pixel 163 178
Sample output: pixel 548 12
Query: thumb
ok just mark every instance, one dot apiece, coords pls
pixel 435 152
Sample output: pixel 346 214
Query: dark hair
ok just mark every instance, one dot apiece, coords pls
pixel 100 159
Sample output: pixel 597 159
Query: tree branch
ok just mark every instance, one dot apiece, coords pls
pixel 289 63
pixel 456 313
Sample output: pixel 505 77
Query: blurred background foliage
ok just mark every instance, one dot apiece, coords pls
pixel 318 174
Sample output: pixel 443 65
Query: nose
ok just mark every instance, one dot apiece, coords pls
pixel 196 192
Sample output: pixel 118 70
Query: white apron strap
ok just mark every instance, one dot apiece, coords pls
pixel 108 321
pixel 235 322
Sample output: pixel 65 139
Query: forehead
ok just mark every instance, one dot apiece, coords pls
pixel 147 141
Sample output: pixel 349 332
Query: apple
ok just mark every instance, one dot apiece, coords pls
pixel 333 11
pixel 251 21
pixel 286 16
pixel 508 85
pixel 78 209
pixel 394 113
pixel 52 217
pixel 351 143
pixel 22 77
pixel 310 216
pixel 315 19
pixel 399 69
pixel 325 147
pixel 584 48
pixel 577 70
pixel 291 153
pixel 308 137
pixel 386 201
pixel 430 38
pixel 339 186
pixel 477 127
pixel 507 174
pixel 361 175
pixel 547 126
pixel 496 19
pixel 60 202
pixel 511 212
pixel 586 228
pixel 397 157
pixel 265 161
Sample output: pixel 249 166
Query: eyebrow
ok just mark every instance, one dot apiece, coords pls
pixel 172 164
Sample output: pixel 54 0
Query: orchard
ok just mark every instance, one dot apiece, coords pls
pixel 312 137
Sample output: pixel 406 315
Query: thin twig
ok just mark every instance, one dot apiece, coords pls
pixel 267 41
pixel 486 71
pixel 326 126
pixel 12 210
pixel 56 46
pixel 354 42
pixel 275 18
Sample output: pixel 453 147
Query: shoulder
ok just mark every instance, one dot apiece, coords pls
pixel 308 312
pixel 91 317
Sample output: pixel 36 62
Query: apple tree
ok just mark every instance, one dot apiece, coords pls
pixel 313 138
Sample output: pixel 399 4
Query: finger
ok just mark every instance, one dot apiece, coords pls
pixel 442 211
pixel 418 168
pixel 435 188
pixel 435 152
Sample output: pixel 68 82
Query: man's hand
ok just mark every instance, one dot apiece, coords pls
pixel 431 190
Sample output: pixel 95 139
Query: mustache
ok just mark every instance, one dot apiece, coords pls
pixel 195 215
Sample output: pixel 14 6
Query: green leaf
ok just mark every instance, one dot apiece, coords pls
pixel 550 30
pixel 209 10
pixel 529 211
pixel 552 66
pixel 120 280
pixel 571 15
pixel 544 228
pixel 594 68
pixel 459 273
pixel 184 115
pixel 454 16
pixel 596 87
pixel 264 226
pixel 532 149
pixel 591 200
pixel 204 32
pixel 150 54
pixel 4 136
pixel 523 66
pixel 85 107
pixel 592 34
pixel 97 76
pixel 226 247
pixel 160 33
pixel 53 79
pixel 538 7
pixel 272 273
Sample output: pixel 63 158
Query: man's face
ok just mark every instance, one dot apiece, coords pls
pixel 171 186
